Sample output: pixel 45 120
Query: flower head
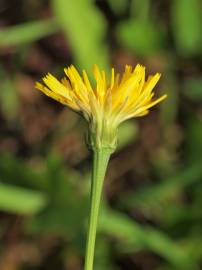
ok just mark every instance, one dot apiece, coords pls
pixel 104 104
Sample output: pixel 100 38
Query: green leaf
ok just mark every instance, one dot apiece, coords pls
pixel 186 23
pixel 8 97
pixel 18 200
pixel 66 211
pixel 85 29
pixel 170 87
pixel 135 237
pixel 155 195
pixel 13 170
pixel 27 32
pixel 131 35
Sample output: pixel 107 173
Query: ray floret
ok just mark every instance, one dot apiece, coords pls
pixel 104 104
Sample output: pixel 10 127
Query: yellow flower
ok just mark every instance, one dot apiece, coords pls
pixel 104 104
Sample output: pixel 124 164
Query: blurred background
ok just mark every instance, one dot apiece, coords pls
pixel 151 217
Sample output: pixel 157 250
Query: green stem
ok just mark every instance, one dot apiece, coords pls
pixel 100 162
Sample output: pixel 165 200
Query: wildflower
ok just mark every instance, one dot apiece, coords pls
pixel 104 105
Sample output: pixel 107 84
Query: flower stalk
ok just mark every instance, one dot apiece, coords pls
pixel 100 161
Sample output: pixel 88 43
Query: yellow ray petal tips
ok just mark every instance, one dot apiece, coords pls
pixel 104 104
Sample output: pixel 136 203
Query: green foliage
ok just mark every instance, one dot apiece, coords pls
pixel 132 237
pixel 13 170
pixel 131 33
pixel 85 30
pixel 170 86
pixel 27 32
pixel 66 211
pixel 20 200
pixel 156 198
pixel 8 97
pixel 186 23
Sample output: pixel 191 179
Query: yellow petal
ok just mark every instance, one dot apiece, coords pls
pixel 112 78
pixel 87 82
pixel 56 96
pixel 56 86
